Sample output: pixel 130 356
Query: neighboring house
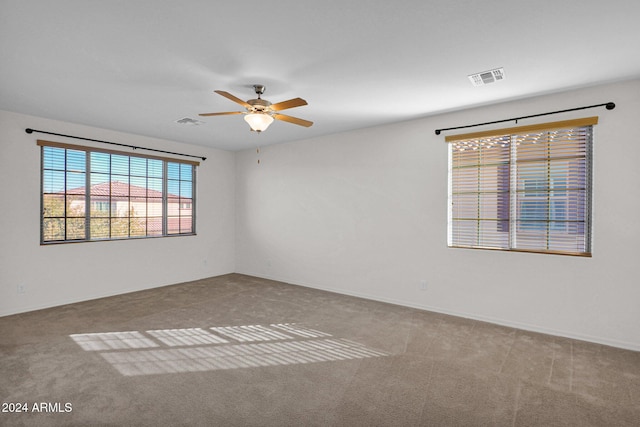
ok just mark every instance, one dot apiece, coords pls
pixel 115 199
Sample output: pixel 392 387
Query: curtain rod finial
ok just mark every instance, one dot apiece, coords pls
pixel 28 130
pixel 610 106
pixel 437 131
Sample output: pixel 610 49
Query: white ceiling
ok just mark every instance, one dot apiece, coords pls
pixel 138 66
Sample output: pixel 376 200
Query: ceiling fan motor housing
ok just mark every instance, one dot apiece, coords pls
pixel 259 104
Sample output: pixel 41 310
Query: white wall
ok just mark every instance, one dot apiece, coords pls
pixel 59 274
pixel 365 213
pixel 361 213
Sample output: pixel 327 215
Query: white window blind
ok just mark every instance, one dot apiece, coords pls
pixel 526 188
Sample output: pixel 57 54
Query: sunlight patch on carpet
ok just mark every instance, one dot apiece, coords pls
pixel 113 341
pixel 164 351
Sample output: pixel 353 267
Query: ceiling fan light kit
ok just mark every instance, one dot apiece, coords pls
pixel 260 113
pixel 258 121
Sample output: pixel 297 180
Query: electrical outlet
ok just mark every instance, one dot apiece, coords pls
pixel 423 285
pixel 21 288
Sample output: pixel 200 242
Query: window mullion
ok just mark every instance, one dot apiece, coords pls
pixel 110 197
pixel 87 197
pixel 513 187
pixel 548 223
pixel 194 188
pixel 129 205
pixel 66 202
pixel 478 199
pixel 165 199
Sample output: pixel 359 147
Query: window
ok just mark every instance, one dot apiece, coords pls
pixel 524 189
pixel 89 194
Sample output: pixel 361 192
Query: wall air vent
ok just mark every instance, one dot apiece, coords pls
pixel 487 77
pixel 189 121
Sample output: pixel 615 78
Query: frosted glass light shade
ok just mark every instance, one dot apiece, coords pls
pixel 258 121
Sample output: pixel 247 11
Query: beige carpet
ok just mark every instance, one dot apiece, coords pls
pixel 241 351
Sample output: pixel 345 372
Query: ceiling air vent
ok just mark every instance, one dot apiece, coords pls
pixel 189 121
pixel 487 77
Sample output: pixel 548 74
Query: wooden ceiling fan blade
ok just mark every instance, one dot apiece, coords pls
pixel 295 102
pixel 226 113
pixel 294 120
pixel 232 98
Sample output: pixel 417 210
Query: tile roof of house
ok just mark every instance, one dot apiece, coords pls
pixel 117 189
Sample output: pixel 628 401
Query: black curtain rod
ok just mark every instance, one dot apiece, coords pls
pixel 29 130
pixel 608 105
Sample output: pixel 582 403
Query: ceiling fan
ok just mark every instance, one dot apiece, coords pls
pixel 260 113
